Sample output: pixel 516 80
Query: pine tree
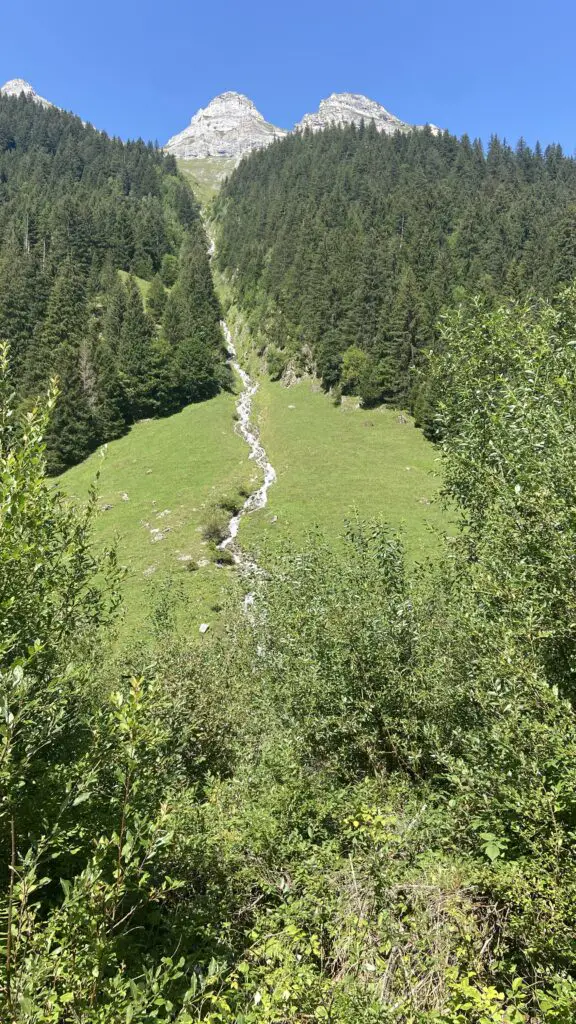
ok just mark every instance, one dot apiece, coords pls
pixel 71 434
pixel 156 298
pixel 135 359
pixel 169 270
pixel 64 324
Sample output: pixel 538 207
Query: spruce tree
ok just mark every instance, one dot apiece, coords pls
pixel 156 298
pixel 71 434
pixel 135 359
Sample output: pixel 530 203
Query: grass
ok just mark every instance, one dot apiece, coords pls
pixel 173 483
pixel 205 175
pixel 143 285
pixel 168 476
pixel 331 461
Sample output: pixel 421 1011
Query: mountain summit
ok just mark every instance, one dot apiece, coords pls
pixel 352 108
pixel 18 87
pixel 229 126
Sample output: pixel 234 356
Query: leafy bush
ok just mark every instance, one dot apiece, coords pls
pixel 358 804
pixel 231 503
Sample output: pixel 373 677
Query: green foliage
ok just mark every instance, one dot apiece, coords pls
pixel 349 240
pixel 357 805
pixel 276 362
pixel 509 459
pixel 157 297
pixel 215 527
pixel 89 778
pixel 76 208
pixel 169 270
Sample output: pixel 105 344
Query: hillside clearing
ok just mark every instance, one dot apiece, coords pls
pixel 162 484
pixel 205 175
pixel 156 488
pixel 334 461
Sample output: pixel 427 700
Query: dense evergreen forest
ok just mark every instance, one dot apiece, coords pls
pixel 76 208
pixel 346 245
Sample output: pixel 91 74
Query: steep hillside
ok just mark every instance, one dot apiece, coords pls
pixel 345 246
pixel 169 487
pixel 159 488
pixel 334 463
pixel 206 176
pixel 77 207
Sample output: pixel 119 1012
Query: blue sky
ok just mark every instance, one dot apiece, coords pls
pixel 144 68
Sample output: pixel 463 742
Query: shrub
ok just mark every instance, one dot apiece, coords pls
pixel 230 503
pixel 222 556
pixel 215 529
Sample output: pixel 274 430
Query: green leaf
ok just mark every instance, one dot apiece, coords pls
pixel 81 798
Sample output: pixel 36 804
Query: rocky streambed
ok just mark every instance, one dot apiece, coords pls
pixel 245 427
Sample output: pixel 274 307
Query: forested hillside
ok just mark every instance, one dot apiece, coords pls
pixel 346 245
pixel 77 207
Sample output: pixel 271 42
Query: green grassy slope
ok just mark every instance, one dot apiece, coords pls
pixel 205 176
pixel 143 285
pixel 171 471
pixel 332 460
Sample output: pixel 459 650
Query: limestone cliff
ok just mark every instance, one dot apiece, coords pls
pixel 229 126
pixel 352 108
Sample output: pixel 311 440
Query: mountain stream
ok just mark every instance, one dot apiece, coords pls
pixel 259 498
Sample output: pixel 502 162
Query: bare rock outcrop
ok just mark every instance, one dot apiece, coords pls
pixel 351 108
pixel 229 126
pixel 18 87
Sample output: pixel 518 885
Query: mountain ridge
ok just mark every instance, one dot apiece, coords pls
pixel 353 108
pixel 232 126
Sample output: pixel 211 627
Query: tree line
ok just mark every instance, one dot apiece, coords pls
pixel 104 278
pixel 345 246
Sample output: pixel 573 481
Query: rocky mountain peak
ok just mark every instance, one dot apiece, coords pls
pixel 353 108
pixel 19 87
pixel 229 126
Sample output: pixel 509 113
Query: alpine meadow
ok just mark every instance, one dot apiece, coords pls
pixel 287 571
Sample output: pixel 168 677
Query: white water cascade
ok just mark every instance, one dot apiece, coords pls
pixel 259 498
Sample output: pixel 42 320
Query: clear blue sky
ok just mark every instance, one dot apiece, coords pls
pixel 143 68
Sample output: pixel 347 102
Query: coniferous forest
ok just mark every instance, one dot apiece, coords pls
pixel 346 246
pixel 355 801
pixel 77 208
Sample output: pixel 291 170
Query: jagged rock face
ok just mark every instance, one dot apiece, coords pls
pixel 351 108
pixel 18 87
pixel 229 126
